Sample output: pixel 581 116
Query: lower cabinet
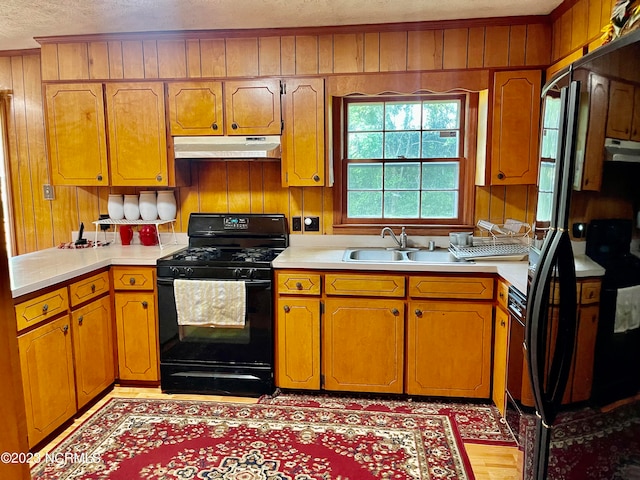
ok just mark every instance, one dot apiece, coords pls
pixel 363 345
pixel 136 323
pixel 46 362
pixel 449 349
pixel 500 349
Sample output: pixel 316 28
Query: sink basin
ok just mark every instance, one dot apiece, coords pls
pixel 411 255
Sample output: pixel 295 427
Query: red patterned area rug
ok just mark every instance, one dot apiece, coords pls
pixel 168 439
pixel 476 422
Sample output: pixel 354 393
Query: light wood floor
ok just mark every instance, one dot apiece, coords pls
pixel 488 462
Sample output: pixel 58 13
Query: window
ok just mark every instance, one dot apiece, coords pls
pixel 402 159
pixel 548 152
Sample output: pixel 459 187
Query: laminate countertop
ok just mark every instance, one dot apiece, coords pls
pixel 34 271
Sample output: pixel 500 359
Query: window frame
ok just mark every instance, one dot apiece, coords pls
pixel 466 162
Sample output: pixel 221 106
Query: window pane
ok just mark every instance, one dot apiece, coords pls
pixel 365 145
pixel 545 191
pixel 549 143
pixel 366 176
pixel 402 176
pixel 440 115
pixel 402 116
pixel 439 204
pixel 366 116
pixel 440 144
pixel 364 204
pixel 551 112
pixel 440 175
pixel 402 145
pixel 401 204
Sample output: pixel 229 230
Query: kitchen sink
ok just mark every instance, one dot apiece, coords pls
pixel 390 255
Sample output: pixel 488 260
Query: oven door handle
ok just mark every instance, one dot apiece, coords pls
pixel 248 283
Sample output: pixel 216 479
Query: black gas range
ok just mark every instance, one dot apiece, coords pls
pixel 214 358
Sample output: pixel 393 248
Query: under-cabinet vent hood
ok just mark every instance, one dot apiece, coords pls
pixel 227 148
pixel 622 150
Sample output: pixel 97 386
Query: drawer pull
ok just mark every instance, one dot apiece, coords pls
pixel 501 294
pixel 418 312
pixel 132 281
pixel 395 311
pixel 45 308
pixel 80 319
pixel 299 285
pixel 65 329
pixel 93 288
pixel 144 304
pixel 287 309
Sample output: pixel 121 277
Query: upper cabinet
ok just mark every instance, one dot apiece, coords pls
pixel 515 127
pixel 137 134
pixel 195 108
pixel 248 107
pixel 76 134
pixel 623 121
pixel 303 158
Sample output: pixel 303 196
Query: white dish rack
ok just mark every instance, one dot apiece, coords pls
pixel 507 241
pixel 109 221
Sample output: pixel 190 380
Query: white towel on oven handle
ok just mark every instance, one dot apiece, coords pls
pixel 627 309
pixel 210 303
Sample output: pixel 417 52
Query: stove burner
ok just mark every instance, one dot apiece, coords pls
pixel 195 254
pixel 254 255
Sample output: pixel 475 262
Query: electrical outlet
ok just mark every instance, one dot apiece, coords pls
pixel 296 224
pixel 311 224
pixel 47 190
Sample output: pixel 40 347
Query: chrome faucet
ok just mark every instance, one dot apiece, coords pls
pixel 402 243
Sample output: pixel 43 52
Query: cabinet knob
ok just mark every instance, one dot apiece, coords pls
pixel 159 178
pixel 395 311
pixel 93 288
pixel 299 285
pixel 234 125
pixel 99 177
pixel 144 304
pixel 502 323
pixel 501 176
pixel 214 126
pixel 80 319
pixel 132 281
pixel 418 312
pixel 316 178
pixel 501 294
pixel 65 329
pixel 287 309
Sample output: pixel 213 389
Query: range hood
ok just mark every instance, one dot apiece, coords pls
pixel 227 148
pixel 622 150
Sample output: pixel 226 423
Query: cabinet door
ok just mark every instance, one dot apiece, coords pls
pixel 363 345
pixel 449 349
pixel 620 110
pixel 93 349
pixel 500 346
pixel 298 343
pixel 635 122
pixel 195 108
pixel 303 162
pixel 137 135
pixel 46 362
pixel 584 354
pixel 76 134
pixel 593 147
pixel 136 331
pixel 252 107
pixel 515 127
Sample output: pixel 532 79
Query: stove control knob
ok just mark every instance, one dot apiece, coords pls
pixel 188 271
pixel 237 272
pixel 251 273
pixel 175 271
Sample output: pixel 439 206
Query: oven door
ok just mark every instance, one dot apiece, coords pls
pixel 252 344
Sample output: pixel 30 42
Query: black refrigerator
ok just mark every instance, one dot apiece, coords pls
pixel 589 191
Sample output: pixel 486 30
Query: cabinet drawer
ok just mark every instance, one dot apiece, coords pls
pixel 365 285
pixel 133 278
pixel 89 288
pixel 469 288
pixel 503 294
pixel 590 292
pixel 41 308
pixel 299 283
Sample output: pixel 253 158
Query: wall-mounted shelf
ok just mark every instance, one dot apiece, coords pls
pixel 109 221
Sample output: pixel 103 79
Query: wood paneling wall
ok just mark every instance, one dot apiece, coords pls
pixel 241 186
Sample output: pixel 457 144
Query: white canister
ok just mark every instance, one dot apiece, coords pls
pixel 166 203
pixel 148 206
pixel 131 209
pixel 115 206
